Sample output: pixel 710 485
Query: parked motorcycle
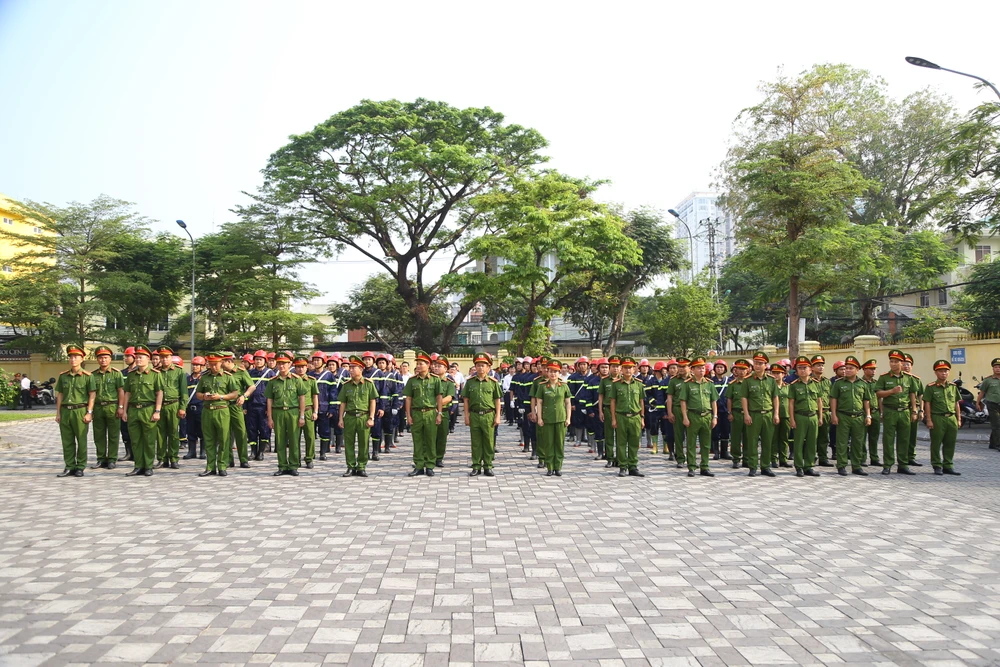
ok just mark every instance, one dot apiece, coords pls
pixel 43 394
pixel 967 404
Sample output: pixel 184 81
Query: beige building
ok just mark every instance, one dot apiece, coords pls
pixel 15 223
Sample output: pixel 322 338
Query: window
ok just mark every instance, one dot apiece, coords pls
pixel 37 230
pixel 982 253
pixel 925 299
pixel 163 325
pixel 942 297
pixel 7 268
pixel 8 221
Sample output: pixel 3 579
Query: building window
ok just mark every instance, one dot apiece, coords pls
pixel 925 299
pixel 7 268
pixel 163 325
pixel 37 230
pixel 8 221
pixel 982 253
pixel 942 297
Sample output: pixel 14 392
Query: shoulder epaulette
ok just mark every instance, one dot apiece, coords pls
pixel 911 375
pixel 492 378
pixel 886 373
pixel 616 380
pixel 85 372
pixel 223 372
pixel 689 380
pixel 64 373
pixel 793 382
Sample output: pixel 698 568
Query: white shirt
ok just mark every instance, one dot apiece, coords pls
pixel 25 383
pixel 505 383
pixel 459 378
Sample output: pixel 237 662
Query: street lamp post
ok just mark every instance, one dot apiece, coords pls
pixel 182 225
pixel 920 62
pixel 690 240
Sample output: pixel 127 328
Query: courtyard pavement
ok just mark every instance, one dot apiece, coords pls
pixel 586 569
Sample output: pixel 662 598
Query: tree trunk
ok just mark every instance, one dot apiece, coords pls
pixel 866 322
pixel 448 332
pixel 793 317
pixel 616 325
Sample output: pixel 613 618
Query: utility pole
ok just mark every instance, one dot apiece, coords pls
pixel 712 227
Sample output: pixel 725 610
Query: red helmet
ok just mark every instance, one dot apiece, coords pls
pixel 130 350
pixel 603 361
pixel 672 362
pixel 271 355
pixel 177 360
pixel 318 354
pixel 582 360
pixel 199 361
pixel 787 363
pixel 644 362
pixel 247 358
pixel 837 364
pixel 367 354
pixel 659 366
pixel 381 357
pixel 721 362
pixel 260 353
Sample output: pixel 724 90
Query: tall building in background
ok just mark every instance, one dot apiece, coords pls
pixel 710 225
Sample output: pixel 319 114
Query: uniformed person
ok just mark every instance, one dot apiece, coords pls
pixel 595 423
pixel 324 380
pixel 760 415
pixel 868 369
pixel 371 372
pixel 358 402
pixel 897 404
pixel 75 395
pixel 481 399
pixel 779 442
pixel 918 389
pixel 722 432
pixel 258 433
pixel 449 391
pixel 805 412
pixel 216 389
pixel 656 405
pixel 542 446
pixel 989 394
pixel 237 412
pixel 195 408
pixel 286 415
pixel 741 368
pixel 394 401
pixel 575 382
pixel 823 431
pixel 129 356
pixel 110 398
pixel 628 417
pixel 698 399
pixel 851 408
pixel 674 410
pixel 301 365
pixel 174 408
pixel 944 418
pixel 143 400
pixel 552 416
pixel 424 405
pixel 604 410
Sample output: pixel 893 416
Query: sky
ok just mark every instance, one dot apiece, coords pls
pixel 176 106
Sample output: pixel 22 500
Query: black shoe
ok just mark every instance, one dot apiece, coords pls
pixel 557 473
pixel 634 472
pixel 244 464
pixel 124 457
pixel 947 471
pixel 541 464
pixel 842 472
pixel 160 464
pixel 767 472
pixel 736 464
pixel 549 473
pixel 360 473
pixel 173 465
pixel 79 473
pixel 937 471
pixel 202 457
pixel 799 473
pixel 609 464
pixel 825 464
pixel 278 473
pixel 690 473
pixel 293 473
pixel 524 448
pixel 622 472
pixel 439 463
pixel 886 471
pixel 598 457
pixel 489 472
pixel 416 472
pixel 752 473
pixel 375 458
pixel 110 465
pixel 811 473
pixel 474 473
pixel 223 473
pixel 349 473
pixel 135 471
pixel 147 472
pixel 322 457
pixel 914 464
pixel 680 464
pixel 430 472
pixel 338 450
pixel 188 457
pixel 705 472
pixel 876 463
pixel 309 464
pixel 206 473
pixel 859 471
pixel 903 470
pixel 786 464
pixel 99 464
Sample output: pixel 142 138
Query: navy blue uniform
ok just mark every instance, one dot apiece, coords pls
pixel 324 379
pixel 723 428
pixel 258 432
pixel 656 407
pixel 193 419
pixel 588 397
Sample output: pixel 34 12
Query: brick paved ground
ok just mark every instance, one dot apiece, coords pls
pixel 586 569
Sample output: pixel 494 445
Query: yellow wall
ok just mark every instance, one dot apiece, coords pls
pixel 18 225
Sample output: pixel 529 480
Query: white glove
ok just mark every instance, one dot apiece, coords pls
pixel 521 410
pixel 394 411
pixel 512 403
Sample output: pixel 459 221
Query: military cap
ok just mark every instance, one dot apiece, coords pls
pixel 995 362
pixel 760 355
pixel 74 349
pixel 908 357
pixel 852 361
pixel 483 358
pixel 683 361
pixel 817 359
pixel 615 360
pixel 896 354
pixel 776 368
pixel 942 363
pixel 355 360
pixel 423 356
pixel 869 363
pixel 227 355
pixel 741 363
pixel 142 349
pixel 213 356
pixel 441 359
pixel 300 361
pixel 281 356
pixel 103 349
pixel 628 361
pixel 554 364
pixel 164 351
pixel 802 361
pixel 698 361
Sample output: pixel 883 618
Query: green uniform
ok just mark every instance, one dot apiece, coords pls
pixel 873 429
pixel 175 398
pixel 736 392
pixel 629 404
pixel 309 430
pixel 75 389
pixel 107 426
pixel 760 394
pixel 215 417
pixel 779 443
pixel 897 419
pixel 991 401
pixel 141 388
pixel 542 445
pixel 482 396
pixel 237 421
pixel 806 396
pixel 448 388
pixel 698 397
pixel 552 431
pixel 284 393
pixel 610 436
pixel 917 387
pixel 423 393
pixel 680 432
pixel 355 407
pixel 851 398
pixel 823 433
pixel 942 397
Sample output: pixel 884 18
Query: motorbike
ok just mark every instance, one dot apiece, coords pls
pixel 967 404
pixel 43 394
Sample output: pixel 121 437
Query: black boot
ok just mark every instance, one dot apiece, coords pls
pixel 340 443
pixel 201 449
pixel 724 450
pixel 375 450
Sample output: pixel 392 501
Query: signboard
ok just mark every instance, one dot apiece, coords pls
pixel 957 355
pixel 14 355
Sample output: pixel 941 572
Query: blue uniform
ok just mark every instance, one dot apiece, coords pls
pixel 258 432
pixel 656 406
pixel 378 379
pixel 723 428
pixel 324 379
pixel 192 421
pixel 588 398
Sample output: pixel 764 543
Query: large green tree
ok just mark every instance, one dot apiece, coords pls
pixel 979 302
pixel 680 320
pixel 393 180
pixel 974 156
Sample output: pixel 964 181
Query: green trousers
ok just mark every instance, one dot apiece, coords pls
pixel 943 438
pixel 483 446
pixel 872 431
pixel 554 436
pixel 627 440
pixel 779 443
pixel 309 434
pixel 911 450
pixel 680 435
pixel 107 430
pixel 760 433
pixel 895 436
pixel 850 440
pixel 356 434
pixel 440 440
pixel 238 432
pixel 610 437
pixel 168 439
pixel 699 439
pixel 736 437
pixel 424 431
pixel 823 439
pixel 73 433
pixel 286 438
pixel 804 445
pixel 142 432
pixel 215 431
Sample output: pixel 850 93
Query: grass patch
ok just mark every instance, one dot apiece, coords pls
pixel 12 416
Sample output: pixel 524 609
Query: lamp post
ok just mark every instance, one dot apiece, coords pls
pixel 182 225
pixel 920 62
pixel 690 240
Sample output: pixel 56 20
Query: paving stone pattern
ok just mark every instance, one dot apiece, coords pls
pixel 587 569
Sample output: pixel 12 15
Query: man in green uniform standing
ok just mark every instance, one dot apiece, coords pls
pixel 552 415
pixel 823 432
pixel 779 441
pixel 918 388
pixel 989 393
pixel 216 388
pixel 734 401
pixel 674 409
pixel 312 407
pixel 423 404
pixel 699 414
pixel 897 404
pixel 851 408
pixel 286 414
pixel 358 399
pixel 175 398
pixel 481 397
pixel 944 418
pixel 75 397
pixel 143 400
pixel 628 409
pixel 805 412
pixel 439 368
pixel 760 415
pixel 868 369
pixel 604 410
pixel 542 444
pixel 108 383
pixel 237 414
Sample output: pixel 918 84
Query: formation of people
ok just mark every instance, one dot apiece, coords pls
pixel 758 415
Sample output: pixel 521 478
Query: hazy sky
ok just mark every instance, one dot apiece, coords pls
pixel 176 106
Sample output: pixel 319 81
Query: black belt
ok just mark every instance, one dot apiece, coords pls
pixel 944 414
pixel 74 406
pixel 140 406
pixel 897 409
pixel 849 414
pixel 484 412
pixel 807 414
pixel 358 413
pixel 171 401
pixel 104 403
pixel 284 408
pixel 425 409
pixel 704 414
pixel 761 412
pixel 217 407
pixel 630 414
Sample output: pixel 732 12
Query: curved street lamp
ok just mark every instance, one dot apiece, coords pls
pixel 921 62
pixel 182 225
pixel 690 240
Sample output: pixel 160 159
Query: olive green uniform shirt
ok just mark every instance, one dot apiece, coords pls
pixel 75 389
pixel 805 394
pixel 699 396
pixel 991 389
pixel 357 396
pixel 107 383
pixel 553 398
pixel 942 397
pixel 782 401
pixel 482 394
pixel 760 394
pixel 208 383
pixel 312 389
pixel 628 396
pixel 175 386
pixel 423 392
pixel 737 391
pixel 850 396
pixel 142 387
pixel 285 392
pixel 888 382
pixel 604 389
